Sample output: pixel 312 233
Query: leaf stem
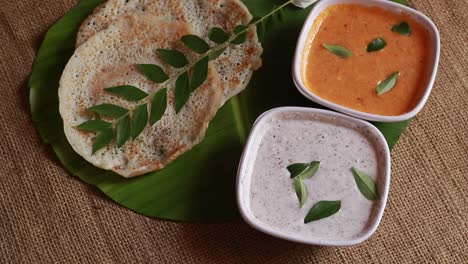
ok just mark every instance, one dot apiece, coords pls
pixel 272 12
pixel 116 121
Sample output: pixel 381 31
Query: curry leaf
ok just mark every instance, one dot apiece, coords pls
pixel 199 74
pixel 376 45
pixel 103 139
pixel 297 168
pixel 153 72
pixel 139 120
pixel 303 170
pixel 123 130
pixel 218 35
pixel 216 53
pixel 387 84
pixel 240 28
pixel 128 92
pixel 365 184
pixel 322 210
pixel 338 50
pixel 301 191
pixel 182 91
pixel 94 125
pixel 158 106
pixel 242 34
pixel 110 110
pixel 403 28
pixel 196 43
pixel 173 57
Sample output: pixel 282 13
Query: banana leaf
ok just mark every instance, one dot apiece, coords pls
pixel 199 185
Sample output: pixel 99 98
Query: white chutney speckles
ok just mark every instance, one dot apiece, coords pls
pixel 338 144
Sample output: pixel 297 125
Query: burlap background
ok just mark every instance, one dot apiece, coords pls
pixel 48 216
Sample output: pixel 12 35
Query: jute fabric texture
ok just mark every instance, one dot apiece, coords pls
pixel 49 216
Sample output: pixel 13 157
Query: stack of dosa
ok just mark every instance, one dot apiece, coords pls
pixel 122 33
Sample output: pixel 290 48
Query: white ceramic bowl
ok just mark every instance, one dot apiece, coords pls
pixel 245 173
pixel 386 4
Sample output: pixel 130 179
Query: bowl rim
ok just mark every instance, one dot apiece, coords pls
pixel 389 5
pixel 246 159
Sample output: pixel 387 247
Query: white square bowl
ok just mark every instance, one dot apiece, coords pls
pixel 385 4
pixel 248 159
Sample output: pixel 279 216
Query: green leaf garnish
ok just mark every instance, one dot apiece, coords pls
pixel 239 28
pixel 387 84
pixel 297 168
pixel 174 58
pixel 196 43
pixel 322 210
pixel 301 191
pixel 216 53
pixel 110 110
pixel 95 125
pixel 365 184
pixel 158 106
pixel 303 170
pixel 182 91
pixel 103 139
pixel 218 35
pixel 338 50
pixel 153 72
pixel 139 120
pixel 376 45
pixel 199 73
pixel 123 130
pixel 403 2
pixel 129 92
pixel 242 36
pixel 403 28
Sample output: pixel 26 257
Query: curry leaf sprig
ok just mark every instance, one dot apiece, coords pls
pixel 130 123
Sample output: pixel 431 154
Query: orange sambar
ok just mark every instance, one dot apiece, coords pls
pixel 352 81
